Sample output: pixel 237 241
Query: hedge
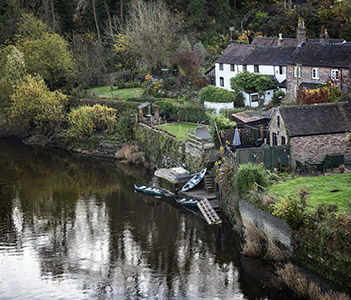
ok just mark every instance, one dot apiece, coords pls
pixel 212 93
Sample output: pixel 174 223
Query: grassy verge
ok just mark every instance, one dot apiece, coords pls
pixel 124 94
pixel 333 189
pixel 179 129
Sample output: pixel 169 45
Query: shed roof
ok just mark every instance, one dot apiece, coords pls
pixel 327 118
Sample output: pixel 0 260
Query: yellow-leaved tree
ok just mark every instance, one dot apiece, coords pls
pixel 34 106
pixel 45 53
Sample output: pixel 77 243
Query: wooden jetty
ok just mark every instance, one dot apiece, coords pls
pixel 208 212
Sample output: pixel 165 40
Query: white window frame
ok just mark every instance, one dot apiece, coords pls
pixel 295 71
pixel 232 67
pixel 221 81
pixel 335 74
pixel 244 68
pixel 256 69
pixel 281 70
pixel 315 73
pixel 221 68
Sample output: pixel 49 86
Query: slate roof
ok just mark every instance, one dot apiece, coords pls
pixel 273 41
pixel 327 118
pixel 256 55
pixel 322 55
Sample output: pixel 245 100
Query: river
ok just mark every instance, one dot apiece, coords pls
pixel 72 227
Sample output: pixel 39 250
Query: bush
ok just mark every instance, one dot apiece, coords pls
pixel 248 174
pixel 278 95
pixel 85 120
pixel 216 94
pixel 239 100
pixel 287 209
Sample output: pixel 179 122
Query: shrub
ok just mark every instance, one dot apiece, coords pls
pixel 278 95
pixel 239 100
pixel 85 120
pixel 34 106
pixel 216 94
pixel 288 210
pixel 248 174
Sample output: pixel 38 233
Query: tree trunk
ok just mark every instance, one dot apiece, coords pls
pixel 109 18
pixel 96 21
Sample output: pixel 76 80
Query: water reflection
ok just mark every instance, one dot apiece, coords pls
pixel 73 228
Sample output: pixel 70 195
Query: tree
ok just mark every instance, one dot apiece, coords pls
pixel 247 81
pixel 152 32
pixel 188 63
pixel 34 106
pixel 45 53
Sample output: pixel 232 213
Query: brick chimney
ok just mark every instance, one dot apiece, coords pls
pixel 301 32
pixel 280 40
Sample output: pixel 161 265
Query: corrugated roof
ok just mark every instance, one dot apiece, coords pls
pixel 305 120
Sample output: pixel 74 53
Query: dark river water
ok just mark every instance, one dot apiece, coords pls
pixel 72 227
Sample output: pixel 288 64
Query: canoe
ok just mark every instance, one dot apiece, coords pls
pixel 194 181
pixel 148 190
pixel 187 202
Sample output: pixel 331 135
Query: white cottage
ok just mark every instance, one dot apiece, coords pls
pixel 265 60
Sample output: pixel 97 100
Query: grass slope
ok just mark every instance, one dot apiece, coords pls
pixel 332 189
pixel 124 94
pixel 178 129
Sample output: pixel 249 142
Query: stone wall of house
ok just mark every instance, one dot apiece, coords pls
pixel 318 146
pixel 278 128
pixel 306 76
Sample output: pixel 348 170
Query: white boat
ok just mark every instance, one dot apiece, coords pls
pixel 194 181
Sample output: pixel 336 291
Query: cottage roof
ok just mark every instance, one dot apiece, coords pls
pixel 326 118
pixel 250 116
pixel 322 55
pixel 256 55
pixel 273 41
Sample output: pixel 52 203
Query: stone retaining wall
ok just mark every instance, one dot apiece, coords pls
pixel 267 223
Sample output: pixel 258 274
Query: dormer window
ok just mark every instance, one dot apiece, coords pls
pixel 334 74
pixel 232 68
pixel 315 73
pixel 256 69
pixel 221 67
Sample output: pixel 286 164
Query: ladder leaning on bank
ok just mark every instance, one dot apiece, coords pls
pixel 208 212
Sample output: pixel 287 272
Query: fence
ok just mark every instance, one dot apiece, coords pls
pixel 270 157
pixel 198 142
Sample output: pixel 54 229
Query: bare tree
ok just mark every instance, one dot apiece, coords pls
pixel 152 31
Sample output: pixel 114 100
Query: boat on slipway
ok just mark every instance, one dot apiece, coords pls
pixel 194 180
pixel 148 190
pixel 187 202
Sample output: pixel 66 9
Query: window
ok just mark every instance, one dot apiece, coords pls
pixel 244 68
pixel 278 121
pixel 281 70
pixel 221 67
pixel 254 98
pixel 256 69
pixel 232 68
pixel 297 71
pixel 334 74
pixel 275 140
pixel 315 73
pixel 221 81
pixel 283 140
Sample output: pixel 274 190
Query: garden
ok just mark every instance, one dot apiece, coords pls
pixel 179 129
pixel 115 92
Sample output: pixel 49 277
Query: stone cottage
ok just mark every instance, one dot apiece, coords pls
pixel 313 131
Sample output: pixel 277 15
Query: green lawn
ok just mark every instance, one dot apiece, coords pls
pixel 179 129
pixel 124 94
pixel 323 189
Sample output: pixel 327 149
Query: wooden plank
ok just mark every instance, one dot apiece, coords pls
pixel 208 212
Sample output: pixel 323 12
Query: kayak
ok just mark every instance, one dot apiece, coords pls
pixel 187 202
pixel 148 190
pixel 194 181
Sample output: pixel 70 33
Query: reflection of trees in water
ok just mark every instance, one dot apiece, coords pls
pixel 83 220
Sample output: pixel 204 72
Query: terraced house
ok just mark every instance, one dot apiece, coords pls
pixel 293 63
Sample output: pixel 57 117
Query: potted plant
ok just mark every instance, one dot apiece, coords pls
pixel 342 168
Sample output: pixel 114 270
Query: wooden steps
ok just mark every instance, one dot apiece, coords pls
pixel 208 212
pixel 209 183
